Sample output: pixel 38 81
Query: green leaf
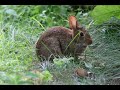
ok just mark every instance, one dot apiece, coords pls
pixel 47 75
pixel 102 13
pixel 32 75
pixel 88 65
pixel 58 62
pixel 11 12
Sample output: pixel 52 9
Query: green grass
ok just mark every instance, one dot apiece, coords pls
pixel 21 26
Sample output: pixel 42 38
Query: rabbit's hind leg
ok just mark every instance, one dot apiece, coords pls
pixel 55 47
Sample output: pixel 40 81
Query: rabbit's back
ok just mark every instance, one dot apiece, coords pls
pixel 58 32
pixel 55 39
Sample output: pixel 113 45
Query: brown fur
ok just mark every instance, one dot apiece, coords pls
pixel 58 38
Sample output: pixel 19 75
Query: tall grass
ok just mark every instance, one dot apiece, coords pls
pixel 18 61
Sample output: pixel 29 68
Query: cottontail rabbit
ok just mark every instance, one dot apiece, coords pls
pixel 61 41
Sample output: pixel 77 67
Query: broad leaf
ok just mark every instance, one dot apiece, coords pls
pixel 102 13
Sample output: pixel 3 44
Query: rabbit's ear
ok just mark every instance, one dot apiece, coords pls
pixel 73 25
pixel 72 22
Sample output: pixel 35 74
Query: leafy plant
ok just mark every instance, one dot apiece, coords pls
pixel 102 13
pixel 13 79
pixel 47 76
pixel 61 61
pixel 26 78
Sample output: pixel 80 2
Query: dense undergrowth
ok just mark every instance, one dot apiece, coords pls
pixel 21 26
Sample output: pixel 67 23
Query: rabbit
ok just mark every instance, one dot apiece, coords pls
pixel 61 41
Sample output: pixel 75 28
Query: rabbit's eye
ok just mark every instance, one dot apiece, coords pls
pixel 81 34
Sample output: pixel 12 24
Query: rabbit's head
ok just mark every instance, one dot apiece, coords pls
pixel 82 36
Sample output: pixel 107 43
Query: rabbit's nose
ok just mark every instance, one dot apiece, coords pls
pixel 89 41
